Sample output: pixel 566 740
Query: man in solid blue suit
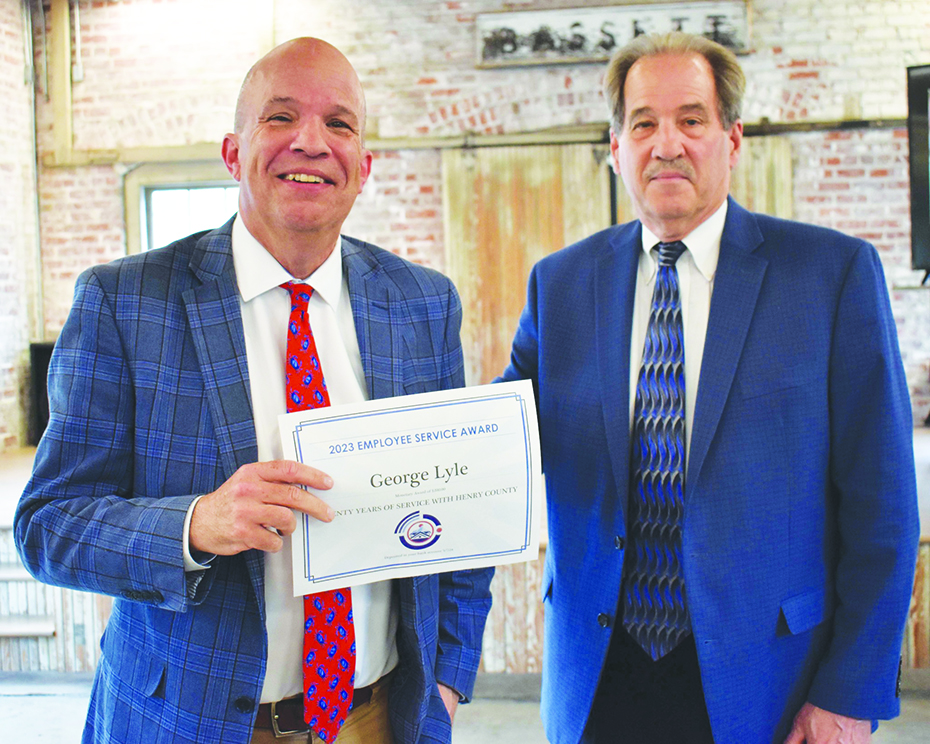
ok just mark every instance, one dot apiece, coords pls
pixel 726 440
pixel 159 480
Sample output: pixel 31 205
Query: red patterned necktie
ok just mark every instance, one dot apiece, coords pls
pixel 329 633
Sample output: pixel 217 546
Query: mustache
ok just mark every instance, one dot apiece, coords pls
pixel 678 167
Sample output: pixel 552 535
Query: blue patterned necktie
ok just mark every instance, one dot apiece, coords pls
pixel 654 610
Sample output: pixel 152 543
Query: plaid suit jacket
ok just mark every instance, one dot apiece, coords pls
pixel 149 407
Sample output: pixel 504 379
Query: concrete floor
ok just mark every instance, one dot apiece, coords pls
pixel 51 707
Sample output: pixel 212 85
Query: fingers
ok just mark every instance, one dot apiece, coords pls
pixel 299 499
pixel 253 509
pixel 450 699
pixel 289 471
pixel 798 733
pixel 278 480
pixel 814 725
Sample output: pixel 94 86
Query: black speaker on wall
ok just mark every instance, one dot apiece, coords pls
pixel 918 137
pixel 39 356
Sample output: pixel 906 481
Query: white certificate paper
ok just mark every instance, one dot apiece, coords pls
pixel 423 484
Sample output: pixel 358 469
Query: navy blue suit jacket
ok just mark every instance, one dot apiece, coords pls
pixel 800 529
pixel 150 406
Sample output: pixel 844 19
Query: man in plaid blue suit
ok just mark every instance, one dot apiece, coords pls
pixel 156 481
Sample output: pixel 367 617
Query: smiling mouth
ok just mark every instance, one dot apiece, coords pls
pixel 303 178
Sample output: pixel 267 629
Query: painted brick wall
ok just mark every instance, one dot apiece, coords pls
pixel 152 76
pixel 161 72
pixel 81 218
pixel 401 206
pixel 857 182
pixel 17 226
pixel 165 72
pixel 833 59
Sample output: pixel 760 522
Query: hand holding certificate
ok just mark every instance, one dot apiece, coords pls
pixel 423 484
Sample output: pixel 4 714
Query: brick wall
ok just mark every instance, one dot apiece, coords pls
pixel 165 72
pixel 401 206
pixel 81 218
pixel 833 59
pixel 857 182
pixel 17 226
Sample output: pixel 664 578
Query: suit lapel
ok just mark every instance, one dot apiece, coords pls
pixel 381 323
pixel 215 318
pixel 736 288
pixel 614 292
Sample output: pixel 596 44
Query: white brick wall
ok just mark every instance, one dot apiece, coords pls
pixel 81 218
pixel 857 182
pixel 17 227
pixel 152 76
pixel 166 72
pixel 401 206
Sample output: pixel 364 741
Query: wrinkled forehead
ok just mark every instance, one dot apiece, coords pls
pixel 671 82
pixel 301 73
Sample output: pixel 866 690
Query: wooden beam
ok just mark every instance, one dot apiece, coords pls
pixel 595 133
pixel 766 128
pixel 168 154
pixel 557 136
pixel 59 62
pixel 211 150
pixel 14 572
pixel 27 626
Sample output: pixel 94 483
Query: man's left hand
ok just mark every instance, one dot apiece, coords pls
pixel 813 725
pixel 451 698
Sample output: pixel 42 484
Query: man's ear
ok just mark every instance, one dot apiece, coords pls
pixel 736 142
pixel 230 152
pixel 364 168
pixel 614 149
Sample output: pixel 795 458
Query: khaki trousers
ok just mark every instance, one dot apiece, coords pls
pixel 367 724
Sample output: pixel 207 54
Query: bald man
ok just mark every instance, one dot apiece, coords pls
pixel 160 479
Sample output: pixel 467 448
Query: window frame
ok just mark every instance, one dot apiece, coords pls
pixel 141 179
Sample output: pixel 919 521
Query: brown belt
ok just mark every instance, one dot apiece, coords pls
pixel 287 716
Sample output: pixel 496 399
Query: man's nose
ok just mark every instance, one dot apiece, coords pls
pixel 310 138
pixel 668 142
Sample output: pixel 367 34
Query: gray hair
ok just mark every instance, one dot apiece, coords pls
pixel 729 80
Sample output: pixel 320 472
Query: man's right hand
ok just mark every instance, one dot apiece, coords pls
pixel 258 498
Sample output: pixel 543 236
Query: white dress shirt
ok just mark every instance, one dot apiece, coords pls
pixel 265 313
pixel 696 269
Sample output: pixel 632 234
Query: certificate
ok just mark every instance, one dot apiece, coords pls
pixel 423 484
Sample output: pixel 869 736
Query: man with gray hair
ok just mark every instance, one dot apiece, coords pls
pixel 726 436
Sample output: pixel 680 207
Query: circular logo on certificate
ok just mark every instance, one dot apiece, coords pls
pixel 418 531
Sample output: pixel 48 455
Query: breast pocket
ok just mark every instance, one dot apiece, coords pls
pixel 773 376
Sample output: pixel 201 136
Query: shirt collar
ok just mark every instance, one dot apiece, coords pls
pixel 703 243
pixel 257 271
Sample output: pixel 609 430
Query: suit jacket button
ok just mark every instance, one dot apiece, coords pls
pixel 618 542
pixel 244 704
pixel 603 620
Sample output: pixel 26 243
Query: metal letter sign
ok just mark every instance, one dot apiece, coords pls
pixel 576 35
